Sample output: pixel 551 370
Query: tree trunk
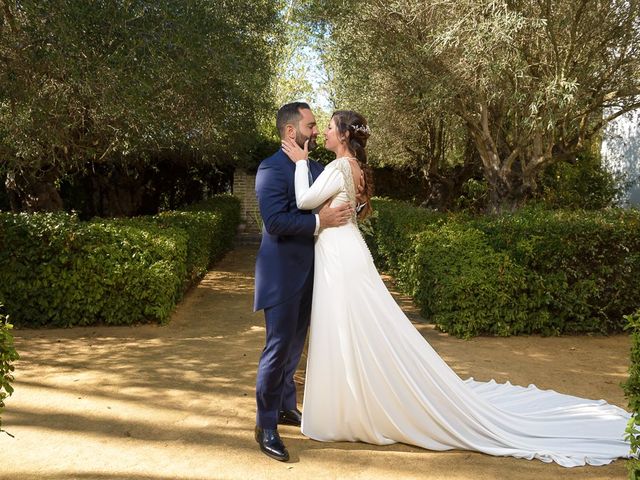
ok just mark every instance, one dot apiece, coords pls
pixel 501 196
pixel 510 188
pixel 509 183
pixel 511 180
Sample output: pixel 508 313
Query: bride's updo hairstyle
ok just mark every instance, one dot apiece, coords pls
pixel 353 127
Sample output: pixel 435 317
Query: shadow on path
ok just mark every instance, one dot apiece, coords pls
pixel 156 402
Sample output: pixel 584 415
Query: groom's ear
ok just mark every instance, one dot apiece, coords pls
pixel 290 131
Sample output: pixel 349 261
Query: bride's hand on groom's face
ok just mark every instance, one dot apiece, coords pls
pixel 293 150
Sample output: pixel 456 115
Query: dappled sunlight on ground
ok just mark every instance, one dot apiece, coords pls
pixel 156 402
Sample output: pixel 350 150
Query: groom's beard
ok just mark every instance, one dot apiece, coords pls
pixel 300 139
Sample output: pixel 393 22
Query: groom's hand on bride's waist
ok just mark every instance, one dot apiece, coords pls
pixel 334 217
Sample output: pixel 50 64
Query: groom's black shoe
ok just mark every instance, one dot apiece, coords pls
pixel 271 444
pixel 290 417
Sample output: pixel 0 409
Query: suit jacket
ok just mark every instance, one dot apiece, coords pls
pixel 285 257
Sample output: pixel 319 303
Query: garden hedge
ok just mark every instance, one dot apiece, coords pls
pixel 533 271
pixel 394 224
pixel 56 270
pixel 632 390
pixel 8 355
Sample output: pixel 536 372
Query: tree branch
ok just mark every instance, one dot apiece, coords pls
pixel 9 16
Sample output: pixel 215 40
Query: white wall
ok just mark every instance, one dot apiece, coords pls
pixel 621 150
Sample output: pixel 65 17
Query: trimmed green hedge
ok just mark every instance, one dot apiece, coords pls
pixel 8 355
pixel 224 214
pixel 56 270
pixel 458 276
pixel 534 271
pixel 587 263
pixel 632 391
pixel 391 239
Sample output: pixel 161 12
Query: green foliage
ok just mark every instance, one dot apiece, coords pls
pixel 8 355
pixel 632 385
pixel 475 196
pixel 226 209
pixel 586 183
pixel 322 155
pixel 113 79
pixel 524 84
pixel 534 271
pixel 262 149
pixel 465 287
pixel 632 391
pixel 584 263
pixel 393 228
pixel 90 83
pixel 56 270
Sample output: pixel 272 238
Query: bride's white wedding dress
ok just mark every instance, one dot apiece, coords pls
pixel 372 377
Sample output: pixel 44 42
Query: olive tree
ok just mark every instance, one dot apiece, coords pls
pixel 528 81
pixel 84 83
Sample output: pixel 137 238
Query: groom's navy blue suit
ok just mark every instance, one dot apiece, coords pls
pixel 284 284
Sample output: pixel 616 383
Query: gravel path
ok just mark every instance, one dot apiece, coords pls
pixel 177 401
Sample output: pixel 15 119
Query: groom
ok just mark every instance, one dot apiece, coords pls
pixel 284 277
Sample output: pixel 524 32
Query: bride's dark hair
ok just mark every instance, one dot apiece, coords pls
pixel 353 127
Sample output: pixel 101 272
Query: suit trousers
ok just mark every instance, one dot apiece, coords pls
pixel 287 324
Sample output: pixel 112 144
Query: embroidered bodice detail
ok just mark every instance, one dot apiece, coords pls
pixel 344 166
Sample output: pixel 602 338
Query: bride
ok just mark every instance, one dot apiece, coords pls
pixel 372 377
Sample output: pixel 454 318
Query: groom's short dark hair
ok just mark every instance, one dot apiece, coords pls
pixel 289 113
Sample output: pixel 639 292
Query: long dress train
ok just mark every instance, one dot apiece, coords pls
pixel 372 377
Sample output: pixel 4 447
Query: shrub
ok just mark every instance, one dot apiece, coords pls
pixel 466 288
pixel 394 225
pixel 226 209
pixel 475 196
pixel 585 184
pixel 533 271
pixel 200 227
pixel 56 270
pixel 8 355
pixel 586 262
pixel 632 391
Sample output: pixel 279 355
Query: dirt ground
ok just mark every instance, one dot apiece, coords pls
pixel 177 401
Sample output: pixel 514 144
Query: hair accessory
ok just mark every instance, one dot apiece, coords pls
pixel 361 128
